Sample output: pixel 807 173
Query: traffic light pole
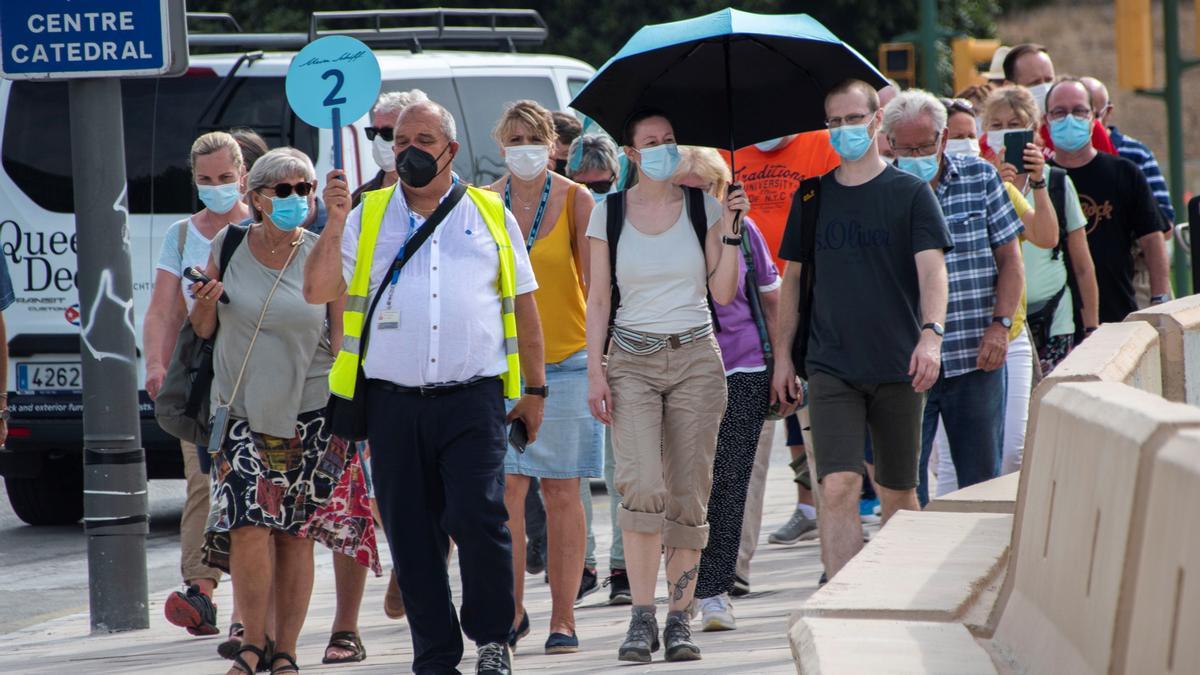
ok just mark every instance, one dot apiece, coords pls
pixel 1172 96
pixel 114 464
pixel 928 34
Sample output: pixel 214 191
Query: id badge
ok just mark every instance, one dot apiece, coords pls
pixel 389 319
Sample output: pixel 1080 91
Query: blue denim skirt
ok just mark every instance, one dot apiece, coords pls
pixel 570 443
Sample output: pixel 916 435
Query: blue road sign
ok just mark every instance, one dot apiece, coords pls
pixel 85 38
pixel 331 81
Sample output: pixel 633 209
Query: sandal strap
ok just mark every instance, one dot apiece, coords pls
pixel 239 662
pixel 290 667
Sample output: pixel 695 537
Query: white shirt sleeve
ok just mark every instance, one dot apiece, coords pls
pixel 526 283
pixel 350 242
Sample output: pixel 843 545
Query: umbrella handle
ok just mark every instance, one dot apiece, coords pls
pixel 737 223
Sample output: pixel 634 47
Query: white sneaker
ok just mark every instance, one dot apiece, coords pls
pixel 717 614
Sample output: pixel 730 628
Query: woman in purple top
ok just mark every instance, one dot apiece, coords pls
pixel 748 383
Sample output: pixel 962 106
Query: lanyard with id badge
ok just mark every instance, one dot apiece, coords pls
pixel 389 319
pixel 537 218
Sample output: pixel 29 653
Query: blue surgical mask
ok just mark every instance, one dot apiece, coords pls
pixel 1071 133
pixel 288 213
pixel 924 168
pixel 851 141
pixel 599 196
pixel 219 198
pixel 659 163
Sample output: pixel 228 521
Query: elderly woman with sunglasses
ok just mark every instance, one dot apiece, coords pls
pixel 274 466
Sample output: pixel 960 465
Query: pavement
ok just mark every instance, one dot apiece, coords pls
pixel 781 578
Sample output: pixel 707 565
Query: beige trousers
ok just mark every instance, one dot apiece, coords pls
pixel 667 410
pixel 194 519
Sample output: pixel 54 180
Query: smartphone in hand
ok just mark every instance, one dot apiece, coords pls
pixel 196 275
pixel 518 435
pixel 1014 148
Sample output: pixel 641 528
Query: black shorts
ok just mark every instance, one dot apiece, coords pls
pixel 841 413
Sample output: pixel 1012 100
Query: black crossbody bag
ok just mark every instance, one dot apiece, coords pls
pixel 348 418
pixel 806 205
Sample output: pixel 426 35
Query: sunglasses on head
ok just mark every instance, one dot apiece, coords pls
pixel 600 186
pixel 954 105
pixel 386 133
pixel 283 190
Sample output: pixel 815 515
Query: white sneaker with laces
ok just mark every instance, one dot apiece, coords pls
pixel 717 614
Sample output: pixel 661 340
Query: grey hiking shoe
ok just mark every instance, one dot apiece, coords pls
pixel 798 528
pixel 641 640
pixel 678 636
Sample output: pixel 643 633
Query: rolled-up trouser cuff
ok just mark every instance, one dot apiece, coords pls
pixel 694 537
pixel 639 521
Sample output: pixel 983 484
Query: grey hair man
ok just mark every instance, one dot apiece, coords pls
pixel 986 280
pixel 383 122
pixel 874 342
pixel 592 160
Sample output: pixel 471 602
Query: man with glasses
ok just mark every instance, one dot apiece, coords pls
pixel 383 121
pixel 878 305
pixel 986 280
pixel 1029 66
pixel 1116 199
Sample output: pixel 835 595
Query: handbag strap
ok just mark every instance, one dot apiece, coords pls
pixel 258 327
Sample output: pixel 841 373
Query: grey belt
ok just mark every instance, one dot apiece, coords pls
pixel 637 342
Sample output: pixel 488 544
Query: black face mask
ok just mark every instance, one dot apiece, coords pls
pixel 560 167
pixel 418 168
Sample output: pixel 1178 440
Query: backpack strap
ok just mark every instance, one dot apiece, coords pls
pixel 808 201
pixel 614 205
pixel 234 234
pixel 1058 196
pixel 694 201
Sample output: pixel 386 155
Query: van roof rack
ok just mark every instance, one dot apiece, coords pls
pixel 220 17
pixel 412 29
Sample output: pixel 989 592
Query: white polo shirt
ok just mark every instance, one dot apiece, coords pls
pixel 447 298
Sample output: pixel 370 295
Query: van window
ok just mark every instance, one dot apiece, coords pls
pixel 484 100
pixel 161 121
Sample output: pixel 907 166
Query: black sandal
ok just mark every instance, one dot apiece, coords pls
pixel 289 667
pixel 349 641
pixel 240 663
pixel 229 647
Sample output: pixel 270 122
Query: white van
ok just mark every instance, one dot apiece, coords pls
pixel 42 463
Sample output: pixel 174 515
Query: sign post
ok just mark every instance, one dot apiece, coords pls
pixel 94 42
pixel 333 79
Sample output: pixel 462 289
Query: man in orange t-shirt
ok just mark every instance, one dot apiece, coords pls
pixel 771 173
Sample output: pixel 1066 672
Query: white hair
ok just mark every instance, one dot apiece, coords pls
pixel 910 105
pixel 392 102
pixel 277 166
pixel 430 105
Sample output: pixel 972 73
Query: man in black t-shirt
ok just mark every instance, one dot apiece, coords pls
pixel 879 302
pixel 1116 199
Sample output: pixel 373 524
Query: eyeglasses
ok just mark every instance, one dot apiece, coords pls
pixel 386 133
pixel 954 105
pixel 1059 114
pixel 916 150
pixel 601 186
pixel 851 120
pixel 285 189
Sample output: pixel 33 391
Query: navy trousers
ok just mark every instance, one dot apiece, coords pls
pixel 438 469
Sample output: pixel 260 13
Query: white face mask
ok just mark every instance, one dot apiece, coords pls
pixel 527 161
pixel 963 146
pixel 995 139
pixel 381 150
pixel 1039 92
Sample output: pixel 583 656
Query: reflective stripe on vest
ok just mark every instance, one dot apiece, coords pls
pixel 344 374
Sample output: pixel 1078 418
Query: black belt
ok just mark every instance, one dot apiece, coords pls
pixel 430 390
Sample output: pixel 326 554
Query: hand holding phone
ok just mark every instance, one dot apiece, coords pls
pixel 1014 148
pixel 196 275
pixel 518 435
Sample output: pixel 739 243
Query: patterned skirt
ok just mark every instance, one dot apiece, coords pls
pixel 278 483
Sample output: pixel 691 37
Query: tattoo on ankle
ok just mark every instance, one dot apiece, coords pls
pixel 683 582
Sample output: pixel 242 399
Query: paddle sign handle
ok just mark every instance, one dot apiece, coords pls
pixel 333 101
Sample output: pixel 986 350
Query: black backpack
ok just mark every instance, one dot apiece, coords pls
pixel 615 205
pixel 806 208
pixel 1057 188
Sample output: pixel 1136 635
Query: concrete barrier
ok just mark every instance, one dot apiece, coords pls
pixel 1178 326
pixel 998 495
pixel 1160 618
pixel 823 646
pixel 1086 484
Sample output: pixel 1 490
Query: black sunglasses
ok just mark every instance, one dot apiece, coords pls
pixel 386 133
pixel 954 105
pixel 601 186
pixel 283 190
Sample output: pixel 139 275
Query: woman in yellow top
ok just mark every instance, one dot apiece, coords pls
pixel 553 213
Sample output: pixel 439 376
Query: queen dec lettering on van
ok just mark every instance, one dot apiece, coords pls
pixel 72 38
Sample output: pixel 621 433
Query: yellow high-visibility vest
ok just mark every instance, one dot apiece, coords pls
pixel 344 374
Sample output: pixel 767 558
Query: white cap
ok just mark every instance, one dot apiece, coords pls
pixel 996 71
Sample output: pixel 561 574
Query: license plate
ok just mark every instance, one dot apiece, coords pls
pixel 49 377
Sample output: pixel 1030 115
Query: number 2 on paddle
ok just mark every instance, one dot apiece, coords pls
pixel 333 99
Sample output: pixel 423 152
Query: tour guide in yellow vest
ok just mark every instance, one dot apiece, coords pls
pixel 452 335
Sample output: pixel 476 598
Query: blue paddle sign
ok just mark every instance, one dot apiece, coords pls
pixel 334 78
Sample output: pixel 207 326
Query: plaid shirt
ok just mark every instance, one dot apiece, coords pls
pixel 980 217
pixel 1136 152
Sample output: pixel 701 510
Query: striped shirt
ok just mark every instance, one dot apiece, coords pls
pixel 980 217
pixel 1137 152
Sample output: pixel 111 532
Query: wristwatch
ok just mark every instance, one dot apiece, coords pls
pixel 936 327
pixel 1160 299
pixel 543 391
pixel 1003 321
pixel 5 415
pixel 1037 184
pixel 732 241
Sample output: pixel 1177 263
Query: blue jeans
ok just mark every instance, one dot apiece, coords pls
pixel 972 410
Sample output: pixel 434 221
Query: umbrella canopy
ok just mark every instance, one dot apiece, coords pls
pixel 727 79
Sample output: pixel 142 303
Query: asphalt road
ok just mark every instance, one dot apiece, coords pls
pixel 43 570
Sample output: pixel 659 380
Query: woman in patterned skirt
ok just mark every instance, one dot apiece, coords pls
pixel 275 466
